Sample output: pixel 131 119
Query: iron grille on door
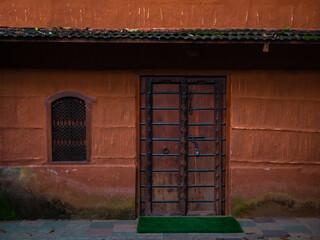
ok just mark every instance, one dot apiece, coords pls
pixel 182 148
pixel 68 129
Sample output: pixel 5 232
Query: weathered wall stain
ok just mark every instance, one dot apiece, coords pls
pixel 275 204
pixel 32 194
pixel 303 14
pixel 26 204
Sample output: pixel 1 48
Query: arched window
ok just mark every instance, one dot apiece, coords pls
pixel 69 127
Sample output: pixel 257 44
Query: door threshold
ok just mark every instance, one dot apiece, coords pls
pixel 200 213
pixel 166 213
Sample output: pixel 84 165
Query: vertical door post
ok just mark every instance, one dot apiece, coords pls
pixel 183 146
pixel 148 178
pixel 217 171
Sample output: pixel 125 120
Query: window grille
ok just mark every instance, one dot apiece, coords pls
pixel 68 116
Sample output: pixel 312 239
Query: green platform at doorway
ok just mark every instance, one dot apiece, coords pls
pixel 188 225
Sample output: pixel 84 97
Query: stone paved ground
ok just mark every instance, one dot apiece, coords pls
pixel 259 228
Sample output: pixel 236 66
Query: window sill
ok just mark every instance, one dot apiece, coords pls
pixel 68 163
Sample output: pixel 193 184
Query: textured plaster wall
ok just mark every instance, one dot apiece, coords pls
pixel 275 134
pixel 103 188
pixel 274 139
pixel 299 14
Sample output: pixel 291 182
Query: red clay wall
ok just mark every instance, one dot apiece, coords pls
pixel 274 139
pixel 103 188
pixel 299 14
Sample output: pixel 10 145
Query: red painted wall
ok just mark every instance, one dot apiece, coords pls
pixel 274 135
pixel 105 187
pixel 298 14
pixel 274 143
pixel 274 117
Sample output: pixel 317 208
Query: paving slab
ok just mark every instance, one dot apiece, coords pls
pixel 8 226
pixel 126 221
pixel 101 225
pixel 74 234
pixel 27 229
pixel 247 223
pixel 202 236
pixel 264 220
pixel 99 232
pixel 177 236
pixel 36 223
pixel 275 233
pixel 20 235
pixel 254 237
pixel 45 234
pixel 296 229
pixel 254 229
pixel 288 222
pixel 269 226
pixel 149 237
pixel 125 228
pixel 228 238
pixel 124 235
pixel 81 238
pixel 78 225
pixel 54 225
pixel 313 226
pixel 303 236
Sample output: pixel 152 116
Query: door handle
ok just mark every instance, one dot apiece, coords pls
pixel 165 150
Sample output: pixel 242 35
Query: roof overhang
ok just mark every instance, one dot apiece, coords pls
pixel 201 36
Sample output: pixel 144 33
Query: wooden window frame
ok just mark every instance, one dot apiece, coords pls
pixel 88 104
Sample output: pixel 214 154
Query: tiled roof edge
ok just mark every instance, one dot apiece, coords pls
pixel 163 34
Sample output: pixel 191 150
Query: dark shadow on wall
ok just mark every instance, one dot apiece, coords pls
pixel 17 202
pixel 275 204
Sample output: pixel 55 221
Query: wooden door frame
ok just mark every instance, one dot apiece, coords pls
pixel 185 73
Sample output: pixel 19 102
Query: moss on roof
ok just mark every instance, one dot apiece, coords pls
pixel 179 34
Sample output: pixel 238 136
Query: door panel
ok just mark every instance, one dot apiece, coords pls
pixel 201 184
pixel 182 162
pixel 166 131
pixel 162 116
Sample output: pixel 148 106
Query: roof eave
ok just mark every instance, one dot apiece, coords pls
pixel 150 41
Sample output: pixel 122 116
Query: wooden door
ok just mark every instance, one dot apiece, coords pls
pixel 182 146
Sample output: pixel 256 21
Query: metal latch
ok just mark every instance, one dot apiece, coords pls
pixel 195 143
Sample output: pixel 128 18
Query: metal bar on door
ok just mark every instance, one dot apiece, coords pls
pixel 176 108
pixel 177 139
pixel 189 124
pixel 178 92
pixel 177 170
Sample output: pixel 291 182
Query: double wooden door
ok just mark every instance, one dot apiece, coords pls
pixel 182 146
